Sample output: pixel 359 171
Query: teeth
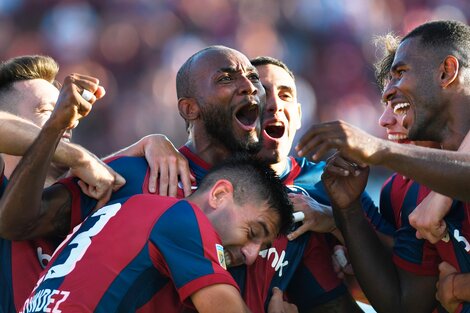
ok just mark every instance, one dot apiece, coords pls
pixel 228 260
pixel 396 137
pixel 401 108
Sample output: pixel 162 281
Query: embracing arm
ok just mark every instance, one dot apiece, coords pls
pixel 219 298
pixel 425 165
pixel 25 212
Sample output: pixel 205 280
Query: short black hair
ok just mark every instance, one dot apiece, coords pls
pixel 265 60
pixel 254 180
pixel 446 37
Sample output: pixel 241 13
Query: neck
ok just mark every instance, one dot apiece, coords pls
pixel 280 166
pixel 457 127
pixel 205 148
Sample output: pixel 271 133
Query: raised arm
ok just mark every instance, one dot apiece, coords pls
pixel 25 211
pixel 424 165
pixel 371 260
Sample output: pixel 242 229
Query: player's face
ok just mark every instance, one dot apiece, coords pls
pixel 231 98
pixel 392 120
pixel 35 100
pixel 245 230
pixel 281 116
pixel 413 85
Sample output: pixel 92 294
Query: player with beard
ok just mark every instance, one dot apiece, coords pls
pixel 217 78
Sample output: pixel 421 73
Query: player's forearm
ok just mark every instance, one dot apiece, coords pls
pixel 18 134
pixel 26 185
pixel 371 261
pixel 446 172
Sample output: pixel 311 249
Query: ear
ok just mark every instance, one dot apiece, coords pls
pixel 220 192
pixel 299 108
pixel 449 70
pixel 188 108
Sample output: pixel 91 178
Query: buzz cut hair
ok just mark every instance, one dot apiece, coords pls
pixel 266 60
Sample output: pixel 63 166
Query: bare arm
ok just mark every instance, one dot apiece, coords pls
pixel 372 261
pixel 219 298
pixel 425 165
pixel 25 212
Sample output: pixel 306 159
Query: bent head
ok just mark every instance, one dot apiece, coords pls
pixel 282 114
pixel 425 75
pixel 219 91
pixel 247 205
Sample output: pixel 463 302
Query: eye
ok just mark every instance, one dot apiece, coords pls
pixel 253 77
pixel 225 79
pixel 285 96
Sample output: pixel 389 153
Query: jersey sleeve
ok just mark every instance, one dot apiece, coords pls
pixel 133 169
pixel 315 281
pixel 375 217
pixel 188 250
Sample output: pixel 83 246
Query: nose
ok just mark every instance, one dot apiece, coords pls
pixel 388 117
pixel 273 103
pixel 246 86
pixel 251 251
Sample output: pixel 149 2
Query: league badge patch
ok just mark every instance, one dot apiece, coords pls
pixel 220 255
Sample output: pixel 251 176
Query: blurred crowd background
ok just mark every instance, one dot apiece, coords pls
pixel 135 47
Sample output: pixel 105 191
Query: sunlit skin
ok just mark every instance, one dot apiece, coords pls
pixel 412 83
pixel 228 92
pixel 281 116
pixel 34 100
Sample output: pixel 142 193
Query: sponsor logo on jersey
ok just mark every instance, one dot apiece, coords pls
pixel 462 239
pixel 43 258
pixel 220 255
pixel 278 262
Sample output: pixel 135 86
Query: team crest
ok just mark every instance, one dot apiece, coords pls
pixel 220 255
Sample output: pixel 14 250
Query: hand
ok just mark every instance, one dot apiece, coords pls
pixel 318 217
pixel 71 106
pixel 97 180
pixel 341 264
pixel 278 305
pixel 358 145
pixel 167 162
pixel 428 217
pixel 445 287
pixel 344 181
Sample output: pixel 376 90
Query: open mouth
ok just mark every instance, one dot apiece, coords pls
pixel 275 130
pixel 401 108
pixel 248 114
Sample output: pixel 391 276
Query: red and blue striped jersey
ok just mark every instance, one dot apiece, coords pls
pixel 136 249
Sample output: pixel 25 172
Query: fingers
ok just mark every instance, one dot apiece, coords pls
pixel 163 179
pixel 119 181
pixel 298 232
pixel 153 177
pixel 186 179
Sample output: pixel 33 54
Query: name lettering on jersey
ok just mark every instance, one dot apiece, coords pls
pixel 278 260
pixel 43 258
pixel 460 238
pixel 80 244
pixel 45 300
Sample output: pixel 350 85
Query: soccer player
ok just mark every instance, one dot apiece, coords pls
pixel 28 90
pixel 176 248
pixel 427 84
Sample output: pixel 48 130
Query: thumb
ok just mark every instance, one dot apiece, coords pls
pixel 119 181
pixel 277 292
